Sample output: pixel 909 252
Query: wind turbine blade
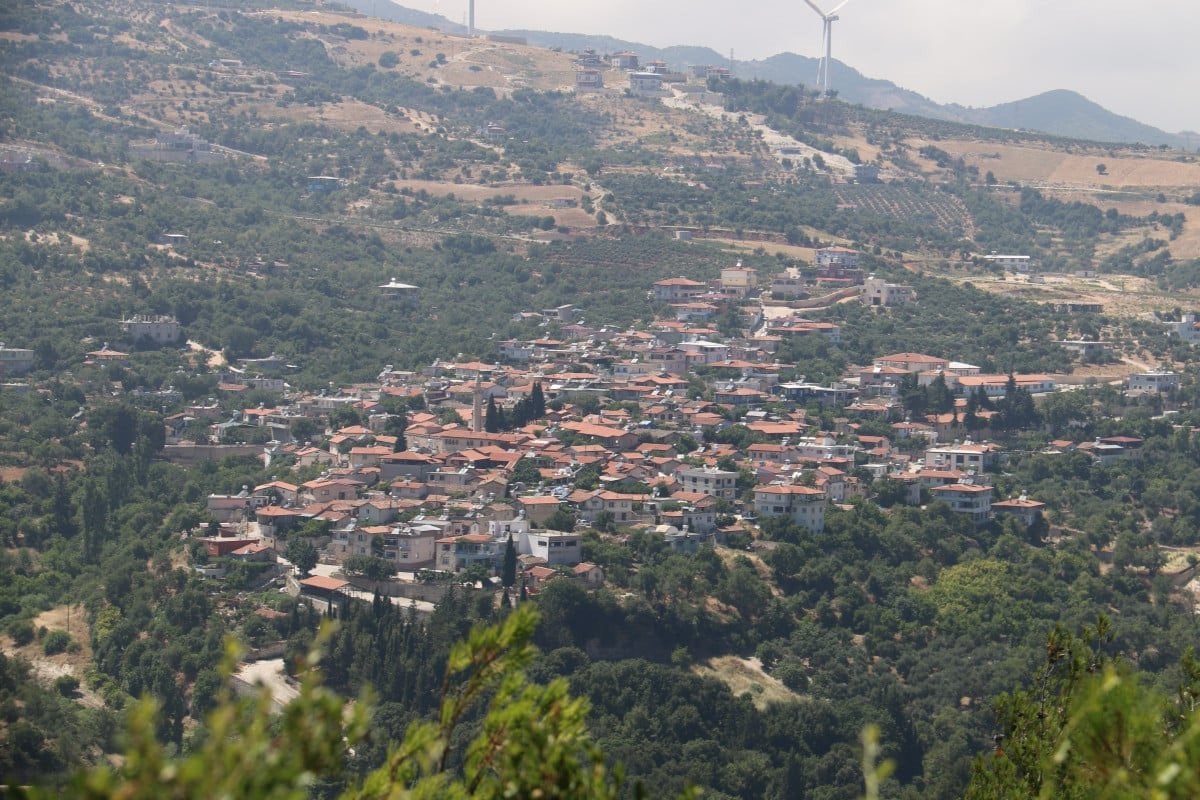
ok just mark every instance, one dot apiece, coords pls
pixel 839 7
pixel 817 9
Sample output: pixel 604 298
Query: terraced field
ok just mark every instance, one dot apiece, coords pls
pixel 926 207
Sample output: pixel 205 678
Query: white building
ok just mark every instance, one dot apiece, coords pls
pixel 14 360
pixel 996 385
pixel 789 284
pixel 553 547
pixel 804 505
pixel 1157 381
pixel 841 257
pixel 1009 262
pixel 408 547
pixel 710 481
pixel 878 292
pixel 966 498
pixel 556 547
pixel 645 84
pixel 700 351
pixel 624 60
pixel 160 329
pixel 1187 329
pixel 739 280
pixel 966 456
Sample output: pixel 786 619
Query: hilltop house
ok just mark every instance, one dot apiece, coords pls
pixel 624 60
pixel 589 80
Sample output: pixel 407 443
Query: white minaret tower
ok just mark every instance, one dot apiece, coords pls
pixel 471 18
pixel 477 407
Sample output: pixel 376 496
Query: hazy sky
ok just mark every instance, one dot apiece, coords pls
pixel 1135 57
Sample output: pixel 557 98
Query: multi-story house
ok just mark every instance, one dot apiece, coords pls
pixel 804 505
pixel 710 481
pixel 966 498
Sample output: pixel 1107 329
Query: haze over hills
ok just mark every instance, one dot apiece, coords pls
pixel 1060 112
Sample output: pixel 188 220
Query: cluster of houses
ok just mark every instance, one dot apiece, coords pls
pixel 630 438
pixel 645 78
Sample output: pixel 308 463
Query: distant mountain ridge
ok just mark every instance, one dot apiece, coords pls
pixel 1059 112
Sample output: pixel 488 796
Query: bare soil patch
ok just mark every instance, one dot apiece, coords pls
pixel 348 115
pixel 1121 295
pixel 12 474
pixel 48 668
pixel 1124 169
pixel 501 66
pixel 746 676
pixel 215 357
pixel 522 192
pixel 269 673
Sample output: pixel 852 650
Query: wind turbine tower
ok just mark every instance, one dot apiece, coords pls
pixel 826 62
pixel 471 18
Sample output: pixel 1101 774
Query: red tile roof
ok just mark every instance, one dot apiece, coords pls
pixel 324 583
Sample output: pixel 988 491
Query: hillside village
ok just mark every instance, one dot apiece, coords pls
pixel 676 429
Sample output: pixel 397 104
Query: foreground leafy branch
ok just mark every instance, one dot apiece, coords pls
pixel 1091 727
pixel 533 741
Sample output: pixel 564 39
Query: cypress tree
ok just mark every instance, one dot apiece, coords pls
pixel 537 401
pixel 491 417
pixel 508 570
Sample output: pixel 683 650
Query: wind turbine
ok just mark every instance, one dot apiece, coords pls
pixel 826 39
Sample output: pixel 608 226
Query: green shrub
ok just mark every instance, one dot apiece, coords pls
pixel 66 685
pixel 21 631
pixel 56 642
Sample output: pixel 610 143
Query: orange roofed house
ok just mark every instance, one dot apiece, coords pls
pixel 678 290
